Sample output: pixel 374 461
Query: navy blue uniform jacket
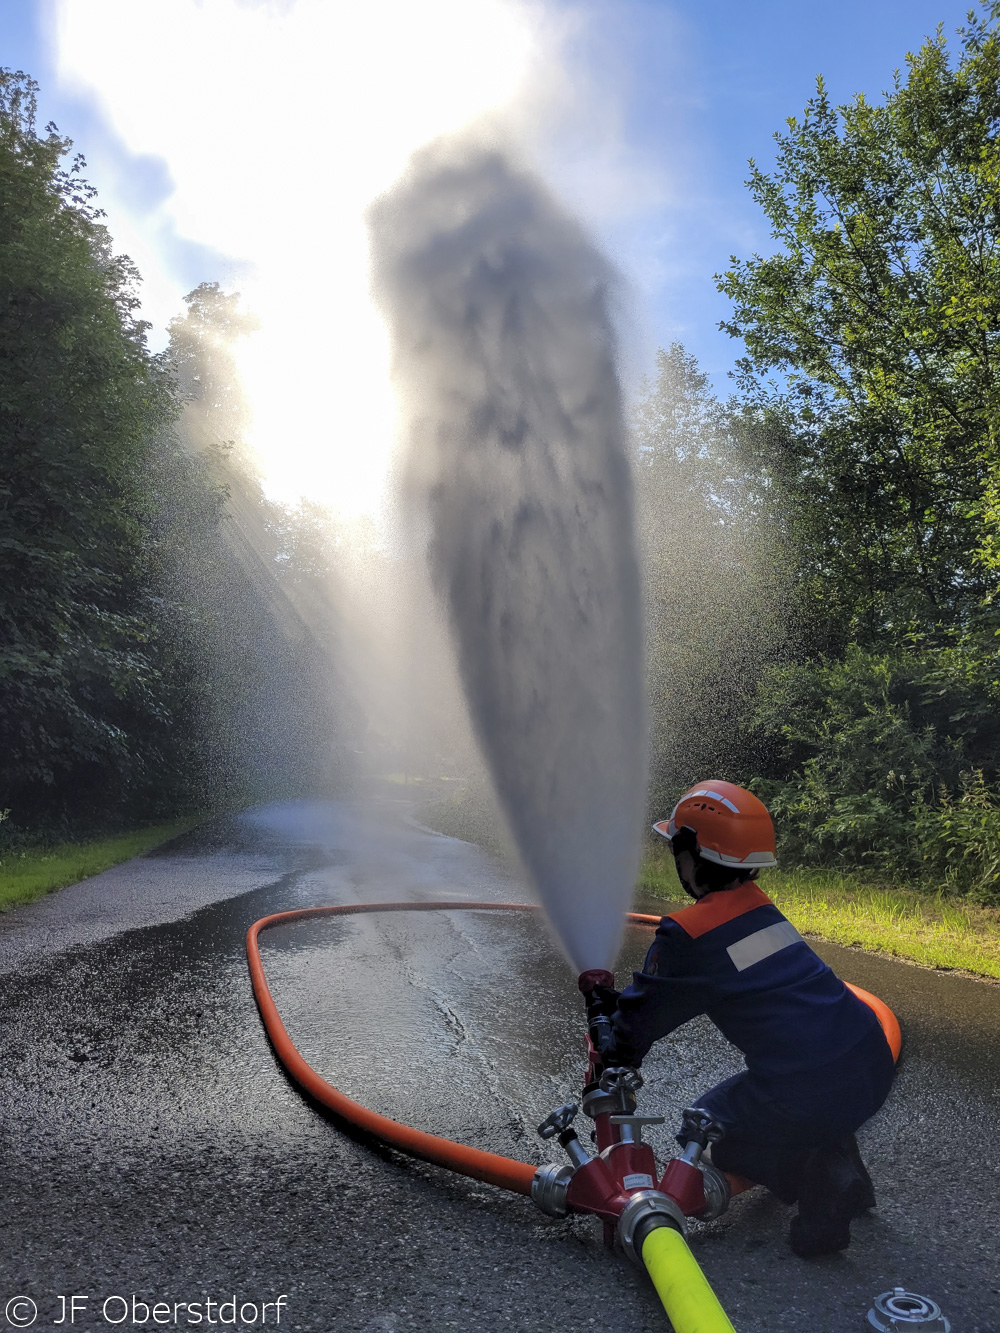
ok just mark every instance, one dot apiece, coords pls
pixel 733 956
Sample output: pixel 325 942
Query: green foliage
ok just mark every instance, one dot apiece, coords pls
pixel 713 580
pixel 28 874
pixel 167 641
pixel 887 761
pixel 870 402
pixel 960 839
pixel 869 376
pixel 79 398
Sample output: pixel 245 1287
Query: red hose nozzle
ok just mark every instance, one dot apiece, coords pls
pixel 596 976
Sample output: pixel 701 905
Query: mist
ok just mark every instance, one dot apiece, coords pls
pixel 504 360
pixel 275 125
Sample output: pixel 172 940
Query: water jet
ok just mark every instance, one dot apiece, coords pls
pixel 516 477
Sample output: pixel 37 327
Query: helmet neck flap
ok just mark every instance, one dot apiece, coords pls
pixel 699 876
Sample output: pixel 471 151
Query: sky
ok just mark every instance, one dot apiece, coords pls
pixel 214 128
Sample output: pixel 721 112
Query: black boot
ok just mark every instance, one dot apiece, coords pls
pixel 834 1189
pixel 854 1154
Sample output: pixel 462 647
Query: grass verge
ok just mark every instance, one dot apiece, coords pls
pixel 26 875
pixel 927 928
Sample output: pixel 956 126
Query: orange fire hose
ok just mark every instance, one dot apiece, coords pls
pixel 495 1170
pixel 505 1172
pixel 889 1021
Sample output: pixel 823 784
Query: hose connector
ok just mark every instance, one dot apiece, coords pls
pixel 900 1309
pixel 646 1210
pixel 717 1192
pixel 549 1188
pixel 599 995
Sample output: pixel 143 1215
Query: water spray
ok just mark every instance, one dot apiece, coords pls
pixel 515 475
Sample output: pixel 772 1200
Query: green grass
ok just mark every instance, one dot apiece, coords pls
pixel 927 928
pixel 26 875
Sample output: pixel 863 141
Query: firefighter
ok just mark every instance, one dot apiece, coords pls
pixel 818 1063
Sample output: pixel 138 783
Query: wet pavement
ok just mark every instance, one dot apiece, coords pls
pixel 152 1147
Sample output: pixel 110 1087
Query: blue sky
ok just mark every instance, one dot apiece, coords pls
pixel 710 83
pixel 701 84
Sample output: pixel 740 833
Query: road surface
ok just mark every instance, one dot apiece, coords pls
pixel 153 1149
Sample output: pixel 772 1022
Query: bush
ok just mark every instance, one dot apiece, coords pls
pixel 887 762
pixel 960 839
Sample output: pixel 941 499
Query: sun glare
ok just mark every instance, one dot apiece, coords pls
pixel 278 123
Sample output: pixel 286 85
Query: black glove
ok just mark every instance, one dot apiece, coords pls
pixel 614 1056
pixel 601 1002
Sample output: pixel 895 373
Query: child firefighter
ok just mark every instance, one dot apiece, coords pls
pixel 818 1063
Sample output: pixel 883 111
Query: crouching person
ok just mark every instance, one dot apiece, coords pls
pixel 818 1063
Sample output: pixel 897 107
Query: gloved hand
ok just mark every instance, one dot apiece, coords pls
pixel 610 1056
pixel 614 1056
pixel 602 1001
pixel 614 1052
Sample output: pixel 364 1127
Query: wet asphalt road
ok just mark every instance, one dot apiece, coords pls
pixel 152 1146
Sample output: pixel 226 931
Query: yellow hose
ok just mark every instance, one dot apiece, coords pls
pixel 689 1301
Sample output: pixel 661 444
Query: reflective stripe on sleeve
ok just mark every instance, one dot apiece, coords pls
pixel 762 944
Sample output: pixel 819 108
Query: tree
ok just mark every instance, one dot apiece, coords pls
pixel 870 375
pixel 878 758
pixel 252 628
pixel 166 639
pixel 715 598
pixel 80 398
pixel 871 402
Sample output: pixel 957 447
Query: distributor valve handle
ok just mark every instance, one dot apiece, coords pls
pixel 559 1121
pixel 697 1126
pixel 620 1079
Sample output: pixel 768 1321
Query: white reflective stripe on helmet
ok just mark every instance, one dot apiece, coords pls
pixel 758 860
pixel 716 796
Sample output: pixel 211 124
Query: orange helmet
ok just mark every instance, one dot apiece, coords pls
pixel 730 825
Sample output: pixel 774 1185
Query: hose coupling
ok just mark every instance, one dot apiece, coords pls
pixel 597 1102
pixel 899 1309
pixel 549 1188
pixel 646 1210
pixel 717 1192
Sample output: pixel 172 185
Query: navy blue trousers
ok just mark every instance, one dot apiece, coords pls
pixel 770 1124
